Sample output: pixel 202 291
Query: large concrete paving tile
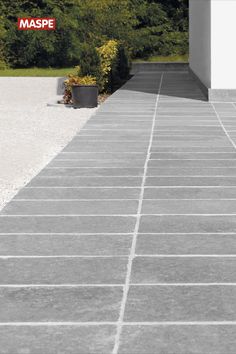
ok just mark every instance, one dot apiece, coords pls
pixel 67 224
pixel 128 134
pixel 192 162
pixel 189 206
pixel 106 147
pixel 191 130
pixel 198 149
pixel 78 193
pixel 187 144
pixel 65 244
pixel 189 244
pixel 190 193
pixel 207 133
pixel 183 270
pixel 119 125
pixel 192 171
pixel 65 304
pixel 87 156
pixel 181 303
pixel 57 339
pixel 54 207
pixel 73 171
pixel 197 139
pixel 188 223
pixel 134 163
pixel 178 339
pixel 191 181
pixel 63 270
pixel 86 181
pixel 124 120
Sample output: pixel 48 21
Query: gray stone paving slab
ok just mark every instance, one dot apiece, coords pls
pixel 63 270
pixel 186 244
pixel 57 339
pixel 101 134
pixel 86 182
pixel 181 303
pixel 65 244
pixel 187 113
pixel 136 163
pixel 182 339
pixel 136 125
pixel 125 119
pixel 106 147
pixel 65 304
pixel 189 206
pixel 190 129
pixel 61 266
pixel 73 171
pixel 185 123
pixel 191 139
pixel 189 223
pixel 192 171
pixel 64 224
pixel 194 149
pixel 169 270
pixel 72 207
pixel 187 144
pixel 79 193
pixel 112 138
pixel 210 160
pixel 100 155
pixel 191 181
pixel 190 193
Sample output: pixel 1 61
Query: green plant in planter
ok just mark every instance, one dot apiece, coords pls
pixel 81 91
pixel 87 80
pixel 74 80
pixel 69 82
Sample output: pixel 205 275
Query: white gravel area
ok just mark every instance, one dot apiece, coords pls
pixel 31 133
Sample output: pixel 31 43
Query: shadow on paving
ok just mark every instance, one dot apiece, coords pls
pixel 175 86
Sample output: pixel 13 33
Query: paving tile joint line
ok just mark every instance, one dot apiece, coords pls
pixel 134 241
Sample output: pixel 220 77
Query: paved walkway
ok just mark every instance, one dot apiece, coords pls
pixel 126 242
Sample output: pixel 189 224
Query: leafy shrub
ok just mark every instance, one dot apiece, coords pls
pixel 115 64
pixel 173 43
pixel 108 56
pixel 123 62
pixel 88 80
pixel 89 61
pixel 76 80
pixel 104 66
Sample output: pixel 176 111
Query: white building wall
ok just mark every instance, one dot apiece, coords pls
pixel 200 39
pixel 223 44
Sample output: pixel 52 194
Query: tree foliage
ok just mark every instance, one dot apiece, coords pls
pixel 143 27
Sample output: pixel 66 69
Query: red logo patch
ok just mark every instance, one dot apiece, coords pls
pixel 36 24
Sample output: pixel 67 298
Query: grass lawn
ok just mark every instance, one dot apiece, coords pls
pixel 52 72
pixel 162 59
pixel 38 72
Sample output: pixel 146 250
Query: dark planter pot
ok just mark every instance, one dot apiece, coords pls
pixel 85 96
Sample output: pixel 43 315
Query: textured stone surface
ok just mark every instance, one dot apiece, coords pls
pixel 63 270
pixel 57 339
pixel 65 244
pixel 69 261
pixel 181 303
pixel 80 304
pixel 191 244
pixel 178 339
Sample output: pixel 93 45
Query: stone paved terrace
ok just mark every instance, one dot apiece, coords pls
pixel 126 242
